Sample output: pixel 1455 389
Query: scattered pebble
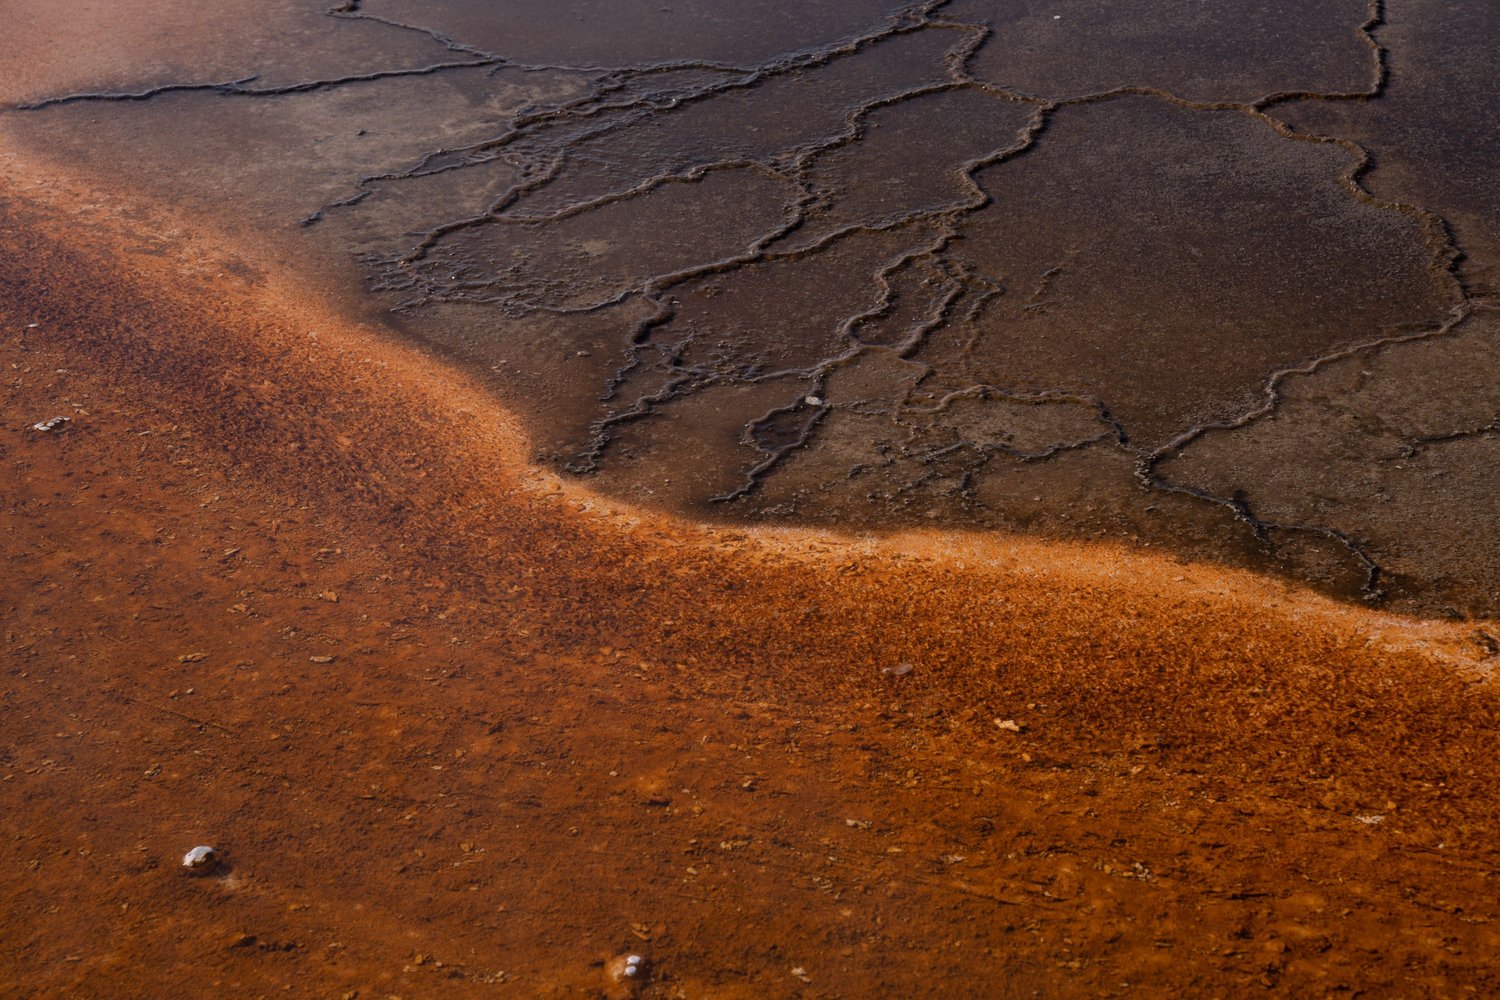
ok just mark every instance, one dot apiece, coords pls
pixel 200 860
pixel 52 424
pixel 1009 725
pixel 192 658
pixel 812 401
pixel 899 670
pixel 321 659
pixel 624 968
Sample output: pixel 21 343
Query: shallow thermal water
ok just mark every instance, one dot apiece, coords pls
pixel 1218 277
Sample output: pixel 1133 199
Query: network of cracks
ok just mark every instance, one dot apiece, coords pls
pixel 1211 277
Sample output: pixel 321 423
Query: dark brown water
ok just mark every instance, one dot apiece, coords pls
pixel 1212 276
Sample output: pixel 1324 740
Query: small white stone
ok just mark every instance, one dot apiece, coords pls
pixel 812 401
pixel 200 859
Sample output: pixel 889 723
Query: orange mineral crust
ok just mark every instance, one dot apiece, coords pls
pixel 288 587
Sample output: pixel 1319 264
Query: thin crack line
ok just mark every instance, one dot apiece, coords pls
pixel 237 88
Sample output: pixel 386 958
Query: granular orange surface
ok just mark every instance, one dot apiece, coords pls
pixel 286 587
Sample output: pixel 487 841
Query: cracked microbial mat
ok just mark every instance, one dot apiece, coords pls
pixel 1175 273
pixel 1211 280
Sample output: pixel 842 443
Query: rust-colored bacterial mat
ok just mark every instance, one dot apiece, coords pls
pixel 987 498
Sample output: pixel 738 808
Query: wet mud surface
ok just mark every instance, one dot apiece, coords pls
pixel 1020 266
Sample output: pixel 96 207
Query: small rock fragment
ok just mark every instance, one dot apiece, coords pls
pixel 899 670
pixel 1009 725
pixel 624 968
pixel 200 860
pixel 52 424
pixel 192 658
pixel 321 659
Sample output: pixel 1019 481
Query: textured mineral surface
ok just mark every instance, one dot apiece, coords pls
pixel 1209 276
pixel 994 498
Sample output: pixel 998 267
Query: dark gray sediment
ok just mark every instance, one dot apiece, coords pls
pixel 1167 272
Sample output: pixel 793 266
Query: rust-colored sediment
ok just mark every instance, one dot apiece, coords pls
pixel 554 729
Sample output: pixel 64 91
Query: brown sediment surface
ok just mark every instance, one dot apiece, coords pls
pixel 1201 52
pixel 1432 132
pixel 1208 279
pixel 151 43
pixel 286 585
